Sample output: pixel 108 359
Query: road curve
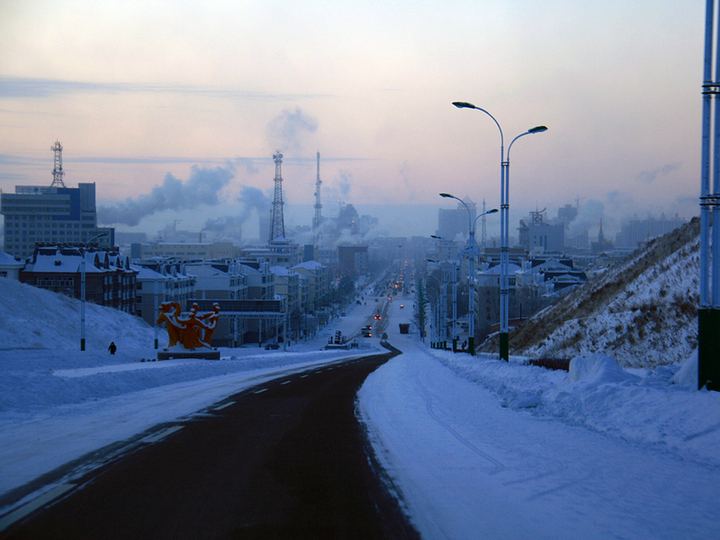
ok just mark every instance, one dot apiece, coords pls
pixel 287 459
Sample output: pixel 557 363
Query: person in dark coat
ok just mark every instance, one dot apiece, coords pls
pixel 112 348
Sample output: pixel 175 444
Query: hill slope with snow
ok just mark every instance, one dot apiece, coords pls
pixel 32 318
pixel 642 312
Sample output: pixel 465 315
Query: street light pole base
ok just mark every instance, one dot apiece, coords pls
pixel 471 346
pixel 82 344
pixel 709 349
pixel 504 346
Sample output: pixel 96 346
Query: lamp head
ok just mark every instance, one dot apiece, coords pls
pixel 537 129
pixel 447 196
pixel 493 211
pixel 464 105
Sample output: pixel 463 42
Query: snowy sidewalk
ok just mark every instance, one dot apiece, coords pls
pixel 467 467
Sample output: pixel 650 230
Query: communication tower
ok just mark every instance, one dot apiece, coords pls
pixel 317 220
pixel 57 169
pixel 277 225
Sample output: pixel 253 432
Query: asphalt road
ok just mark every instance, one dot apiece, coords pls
pixel 287 459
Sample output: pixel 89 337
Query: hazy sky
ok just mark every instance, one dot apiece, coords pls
pixel 154 94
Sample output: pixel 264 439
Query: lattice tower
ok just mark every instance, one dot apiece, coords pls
pixel 277 225
pixel 57 169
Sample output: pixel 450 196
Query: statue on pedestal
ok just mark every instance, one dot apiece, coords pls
pixel 191 330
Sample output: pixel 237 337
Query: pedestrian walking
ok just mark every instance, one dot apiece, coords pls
pixel 112 348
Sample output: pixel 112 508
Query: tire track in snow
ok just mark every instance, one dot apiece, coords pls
pixel 497 465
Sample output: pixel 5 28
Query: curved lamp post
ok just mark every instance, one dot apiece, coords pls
pixel 504 226
pixel 472 255
pixel 82 289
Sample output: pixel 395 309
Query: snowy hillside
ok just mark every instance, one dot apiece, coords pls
pixel 642 312
pixel 32 318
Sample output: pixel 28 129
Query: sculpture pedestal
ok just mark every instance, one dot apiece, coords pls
pixel 202 354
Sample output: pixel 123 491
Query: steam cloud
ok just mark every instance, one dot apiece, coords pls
pixel 286 131
pixel 648 177
pixel 253 199
pixel 201 188
pixel 344 183
pixel 231 226
pixel 589 216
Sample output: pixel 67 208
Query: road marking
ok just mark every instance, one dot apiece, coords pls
pixel 260 391
pixel 286 382
pixel 30 507
pixel 161 434
pixel 221 407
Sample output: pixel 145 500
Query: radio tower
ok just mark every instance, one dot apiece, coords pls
pixel 277 225
pixel 317 220
pixel 57 169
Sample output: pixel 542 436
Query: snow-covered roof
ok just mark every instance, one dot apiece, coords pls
pixel 8 261
pixel 147 273
pixel 309 265
pixel 64 261
pixel 512 269
pixel 281 271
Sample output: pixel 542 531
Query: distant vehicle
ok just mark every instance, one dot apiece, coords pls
pixel 402 306
pixel 270 346
pixel 404 328
pixel 367 331
pixel 378 317
pixel 343 314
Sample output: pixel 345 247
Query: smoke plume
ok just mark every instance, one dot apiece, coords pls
pixel 648 177
pixel 345 183
pixel 287 131
pixel 253 199
pixel 588 217
pixel 231 227
pixel 201 188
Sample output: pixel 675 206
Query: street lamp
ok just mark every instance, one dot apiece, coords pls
pixel 472 255
pixel 82 289
pixel 504 226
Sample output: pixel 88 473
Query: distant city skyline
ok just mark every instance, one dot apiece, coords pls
pixel 147 96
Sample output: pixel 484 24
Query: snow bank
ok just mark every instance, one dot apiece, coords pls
pixel 659 407
pixel 598 369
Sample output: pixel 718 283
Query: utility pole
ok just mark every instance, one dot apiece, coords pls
pixel 709 311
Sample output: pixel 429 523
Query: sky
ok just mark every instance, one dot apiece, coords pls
pixel 147 96
pixel 470 443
